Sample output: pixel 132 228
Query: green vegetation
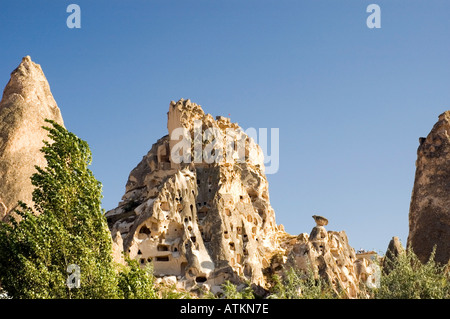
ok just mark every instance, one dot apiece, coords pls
pixel 299 285
pixel 70 228
pixel 136 282
pixel 231 291
pixel 408 278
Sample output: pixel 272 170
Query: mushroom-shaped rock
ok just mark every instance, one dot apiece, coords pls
pixel 320 220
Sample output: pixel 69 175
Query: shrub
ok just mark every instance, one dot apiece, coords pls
pixel 231 291
pixel 408 278
pixel 299 285
pixel 136 282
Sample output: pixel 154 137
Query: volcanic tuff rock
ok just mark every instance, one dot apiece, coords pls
pixel 206 222
pixel 26 102
pixel 394 249
pixel 429 215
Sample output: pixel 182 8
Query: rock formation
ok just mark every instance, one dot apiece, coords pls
pixel 395 248
pixel 429 215
pixel 26 102
pixel 202 221
pixel 327 254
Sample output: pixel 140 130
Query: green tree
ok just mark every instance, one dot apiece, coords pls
pixel 66 226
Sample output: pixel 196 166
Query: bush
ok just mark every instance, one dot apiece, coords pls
pixel 137 283
pixel 231 291
pixel 299 285
pixel 408 278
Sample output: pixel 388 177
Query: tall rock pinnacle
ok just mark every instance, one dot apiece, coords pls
pixel 27 101
pixel 203 222
pixel 429 215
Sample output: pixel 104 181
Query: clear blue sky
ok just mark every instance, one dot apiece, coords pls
pixel 350 102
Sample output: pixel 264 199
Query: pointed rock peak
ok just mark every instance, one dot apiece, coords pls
pixel 445 116
pixel 27 101
pixel 29 84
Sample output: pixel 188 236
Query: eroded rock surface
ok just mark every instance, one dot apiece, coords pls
pixel 206 222
pixel 429 215
pixel 329 255
pixel 26 102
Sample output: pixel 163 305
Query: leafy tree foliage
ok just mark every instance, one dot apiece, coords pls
pixel 65 226
pixel 136 282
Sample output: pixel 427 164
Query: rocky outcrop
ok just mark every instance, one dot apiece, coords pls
pixel 198 209
pixel 202 222
pixel 429 215
pixel 395 248
pixel 26 102
pixel 327 254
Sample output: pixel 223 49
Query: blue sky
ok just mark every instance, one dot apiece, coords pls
pixel 350 102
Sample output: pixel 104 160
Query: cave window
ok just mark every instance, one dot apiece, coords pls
pixel 144 230
pixel 162 248
pixel 162 258
pixel 200 279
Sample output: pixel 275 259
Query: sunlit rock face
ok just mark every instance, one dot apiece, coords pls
pixel 27 101
pixel 202 222
pixel 429 215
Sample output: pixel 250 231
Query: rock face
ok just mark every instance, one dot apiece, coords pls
pixel 327 254
pixel 395 248
pixel 429 215
pixel 204 222
pixel 26 102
